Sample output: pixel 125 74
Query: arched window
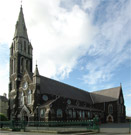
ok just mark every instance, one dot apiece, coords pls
pixel 27 65
pixel 28 49
pixel 83 114
pixel 20 47
pixel 74 114
pixel 68 101
pixel 13 85
pixel 14 45
pixel 70 113
pixel 22 65
pixel 14 63
pixel 11 66
pixel 12 49
pixel 110 109
pixel 80 114
pixel 89 115
pixel 59 113
pixel 22 98
pixel 42 112
pixel 25 46
pixel 29 97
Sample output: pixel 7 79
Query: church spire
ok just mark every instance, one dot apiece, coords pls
pixel 36 73
pixel 20 30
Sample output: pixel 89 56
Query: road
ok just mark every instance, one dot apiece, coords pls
pixel 31 133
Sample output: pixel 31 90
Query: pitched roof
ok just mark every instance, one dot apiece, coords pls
pixel 84 108
pixel 54 87
pixel 106 95
pixel 3 98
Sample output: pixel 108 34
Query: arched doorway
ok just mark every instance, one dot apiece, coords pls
pixel 24 116
pixel 110 118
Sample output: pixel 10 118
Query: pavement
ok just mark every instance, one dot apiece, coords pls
pixel 117 128
pixel 105 129
pixel 31 133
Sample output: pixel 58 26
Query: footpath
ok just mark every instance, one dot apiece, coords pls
pixel 60 130
pixel 110 128
pixel 115 128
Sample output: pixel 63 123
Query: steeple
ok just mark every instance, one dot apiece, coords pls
pixel 36 76
pixel 36 73
pixel 20 29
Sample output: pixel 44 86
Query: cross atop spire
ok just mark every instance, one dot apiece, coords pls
pixel 21 3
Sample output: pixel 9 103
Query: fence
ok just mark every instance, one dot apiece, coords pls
pixel 129 126
pixel 18 125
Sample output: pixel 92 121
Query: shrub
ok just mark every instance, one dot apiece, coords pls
pixel 3 117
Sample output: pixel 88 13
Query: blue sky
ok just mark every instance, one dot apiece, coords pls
pixel 84 43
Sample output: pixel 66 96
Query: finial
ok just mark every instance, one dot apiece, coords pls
pixel 36 63
pixel 120 84
pixel 21 3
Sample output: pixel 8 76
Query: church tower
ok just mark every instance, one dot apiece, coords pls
pixel 20 61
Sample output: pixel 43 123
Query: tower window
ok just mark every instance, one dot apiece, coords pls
pixel 12 49
pixel 22 65
pixel 25 46
pixel 20 46
pixel 13 85
pixel 14 63
pixel 27 65
pixel 11 66
pixel 28 50
pixel 14 45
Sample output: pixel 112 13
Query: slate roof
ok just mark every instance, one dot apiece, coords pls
pixel 84 108
pixel 54 87
pixel 3 98
pixel 106 95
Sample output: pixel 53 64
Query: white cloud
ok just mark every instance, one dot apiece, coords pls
pixel 59 36
pixel 110 47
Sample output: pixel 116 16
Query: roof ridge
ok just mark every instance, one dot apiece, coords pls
pixel 104 89
pixel 65 84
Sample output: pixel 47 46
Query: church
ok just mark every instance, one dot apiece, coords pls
pixel 33 97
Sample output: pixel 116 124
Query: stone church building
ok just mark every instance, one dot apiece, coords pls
pixel 35 97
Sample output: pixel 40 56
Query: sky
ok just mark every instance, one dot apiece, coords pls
pixel 84 43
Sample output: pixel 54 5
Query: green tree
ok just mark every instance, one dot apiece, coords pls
pixel 3 117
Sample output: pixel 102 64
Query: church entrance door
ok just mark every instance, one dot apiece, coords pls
pixel 24 116
pixel 110 118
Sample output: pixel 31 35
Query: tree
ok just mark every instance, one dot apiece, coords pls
pixel 3 117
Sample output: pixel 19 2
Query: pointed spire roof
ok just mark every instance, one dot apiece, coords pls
pixel 36 73
pixel 20 30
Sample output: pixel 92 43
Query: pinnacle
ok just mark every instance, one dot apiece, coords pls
pixel 20 30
